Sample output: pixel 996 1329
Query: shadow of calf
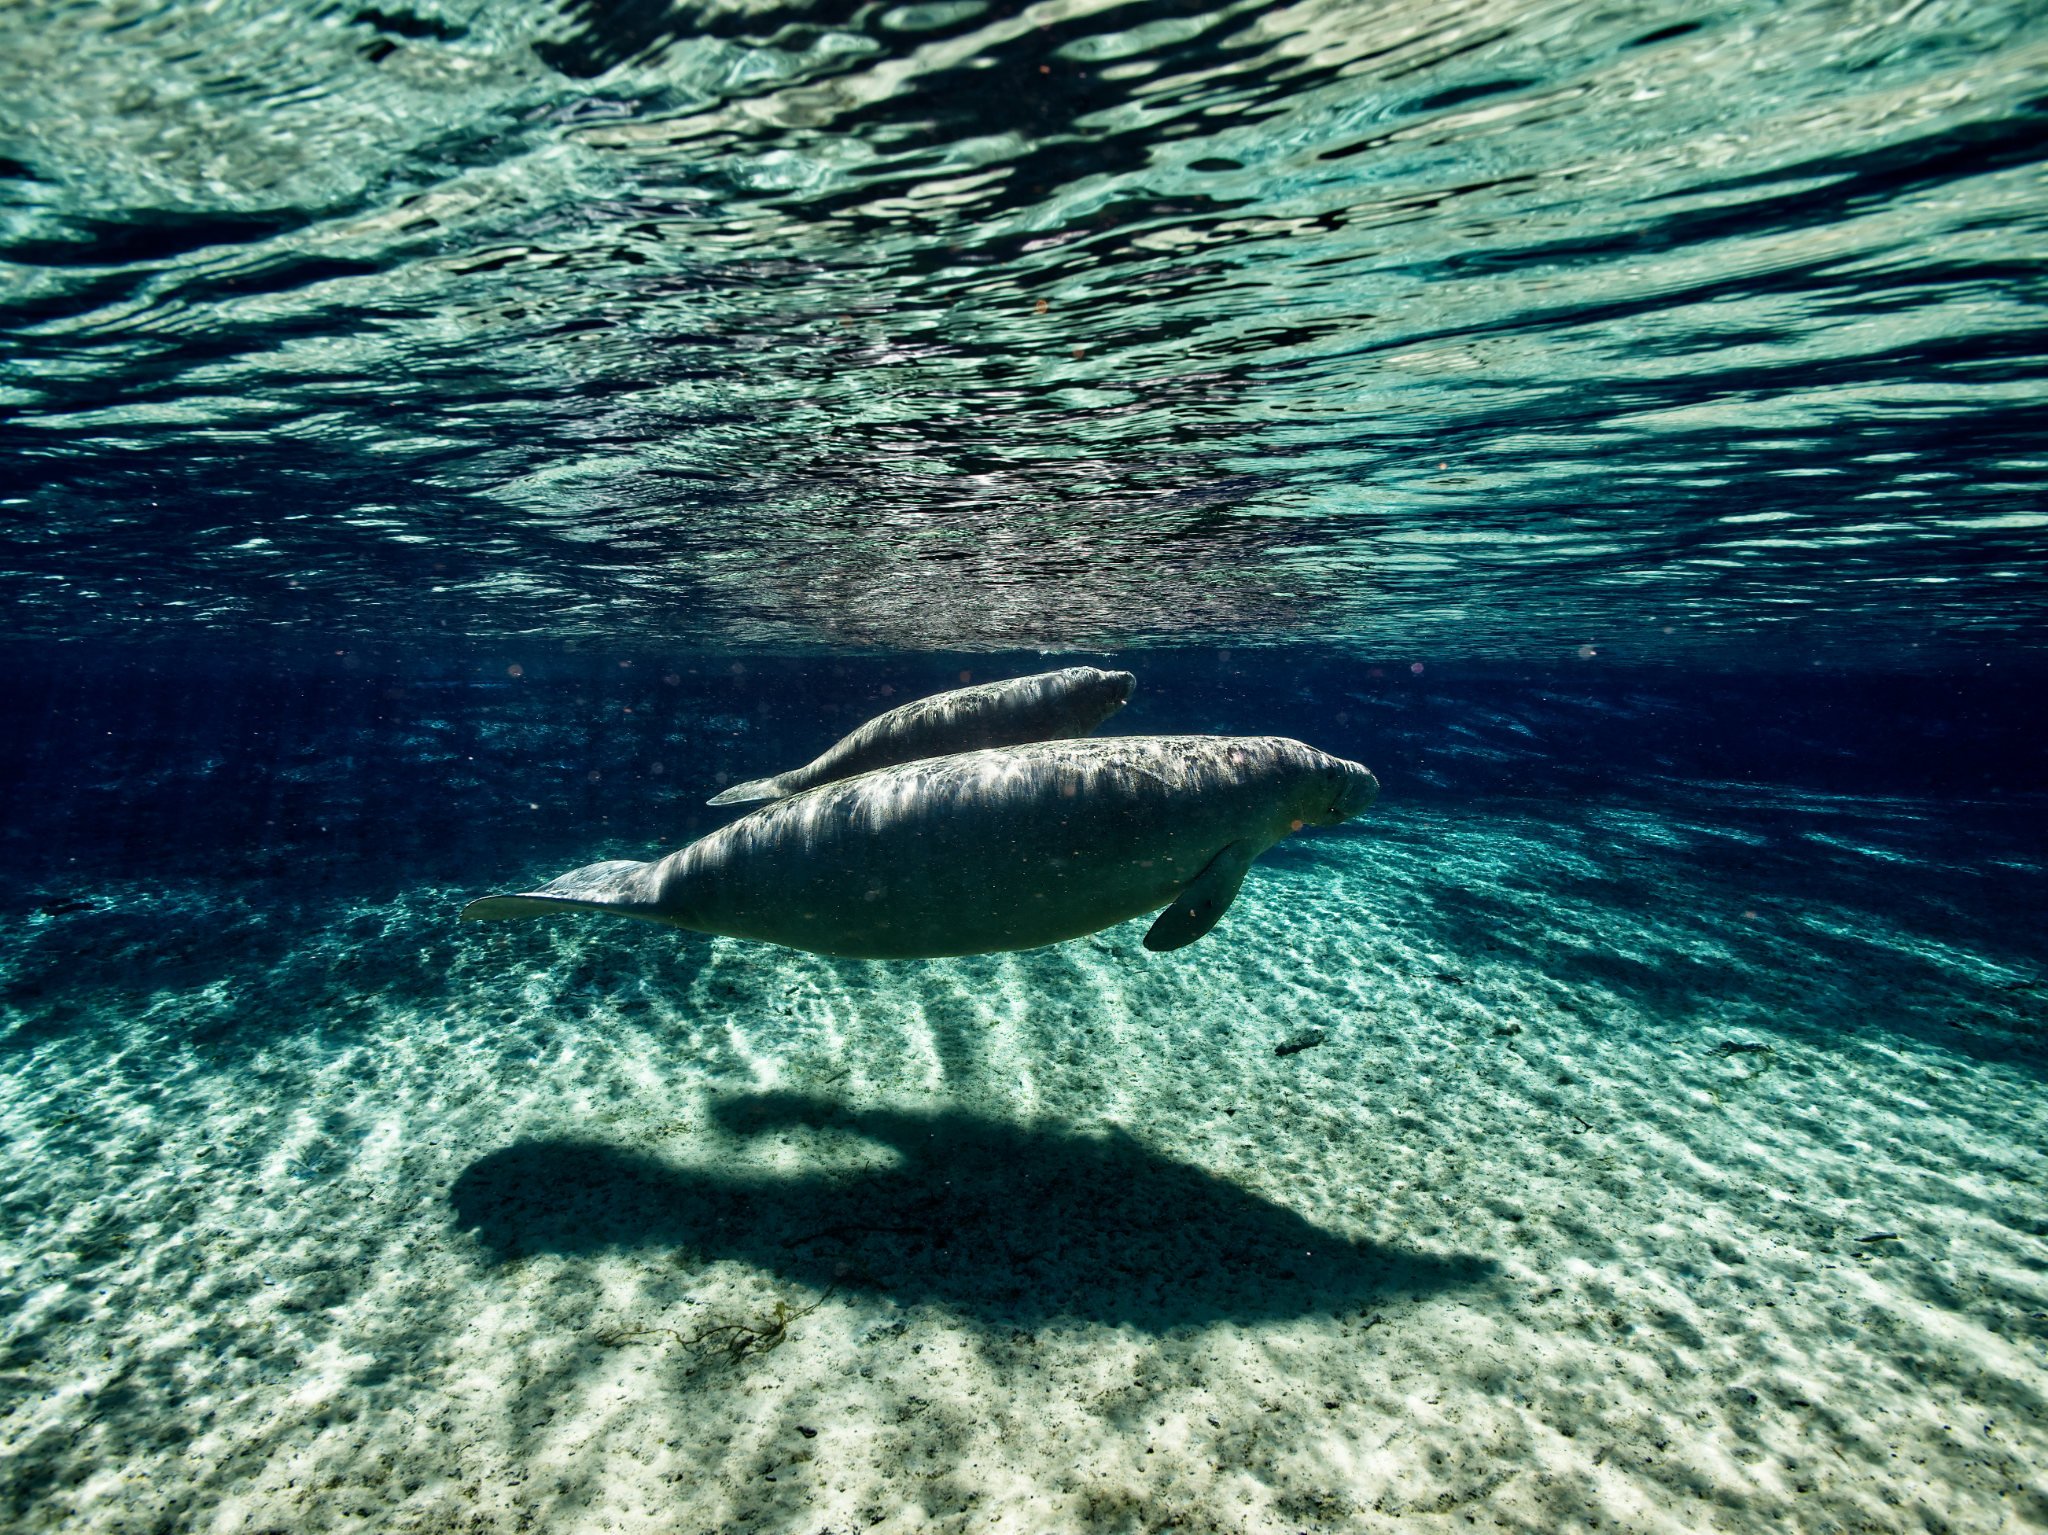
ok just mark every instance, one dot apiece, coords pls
pixel 1012 1224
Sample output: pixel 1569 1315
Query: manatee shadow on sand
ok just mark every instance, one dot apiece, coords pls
pixel 1010 1224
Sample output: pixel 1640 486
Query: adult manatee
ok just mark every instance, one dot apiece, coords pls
pixel 1050 706
pixel 1006 848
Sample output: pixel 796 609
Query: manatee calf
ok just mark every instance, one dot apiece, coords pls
pixel 1006 848
pixel 1050 706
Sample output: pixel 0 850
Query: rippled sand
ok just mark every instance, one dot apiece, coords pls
pixel 344 1216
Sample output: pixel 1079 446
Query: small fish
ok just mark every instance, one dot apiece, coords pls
pixel 1299 1043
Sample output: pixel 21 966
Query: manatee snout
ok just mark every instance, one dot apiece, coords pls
pixel 1358 790
pixel 1113 689
pixel 1343 790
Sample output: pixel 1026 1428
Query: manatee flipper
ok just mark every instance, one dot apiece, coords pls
pixel 1202 900
pixel 748 792
pixel 615 887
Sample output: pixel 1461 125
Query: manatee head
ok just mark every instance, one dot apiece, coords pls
pixel 1333 790
pixel 1095 694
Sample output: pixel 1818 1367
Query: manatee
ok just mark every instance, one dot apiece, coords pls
pixel 1050 706
pixel 1004 848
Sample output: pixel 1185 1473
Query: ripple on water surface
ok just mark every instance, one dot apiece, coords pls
pixel 1483 326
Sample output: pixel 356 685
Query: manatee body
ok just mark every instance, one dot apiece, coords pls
pixel 1050 706
pixel 1007 848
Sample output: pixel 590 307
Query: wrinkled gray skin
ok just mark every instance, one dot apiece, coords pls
pixel 1050 706
pixel 1008 848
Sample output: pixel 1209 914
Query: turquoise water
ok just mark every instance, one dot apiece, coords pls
pixel 1634 1120
pixel 442 445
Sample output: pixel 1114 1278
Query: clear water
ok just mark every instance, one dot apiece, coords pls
pixel 442 444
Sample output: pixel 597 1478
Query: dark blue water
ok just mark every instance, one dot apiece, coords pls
pixel 441 444
pixel 362 767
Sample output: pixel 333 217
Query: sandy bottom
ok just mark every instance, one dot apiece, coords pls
pixel 1656 1171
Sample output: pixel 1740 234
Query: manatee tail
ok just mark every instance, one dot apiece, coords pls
pixel 746 793
pixel 618 888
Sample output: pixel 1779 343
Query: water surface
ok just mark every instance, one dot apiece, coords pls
pixel 1491 328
